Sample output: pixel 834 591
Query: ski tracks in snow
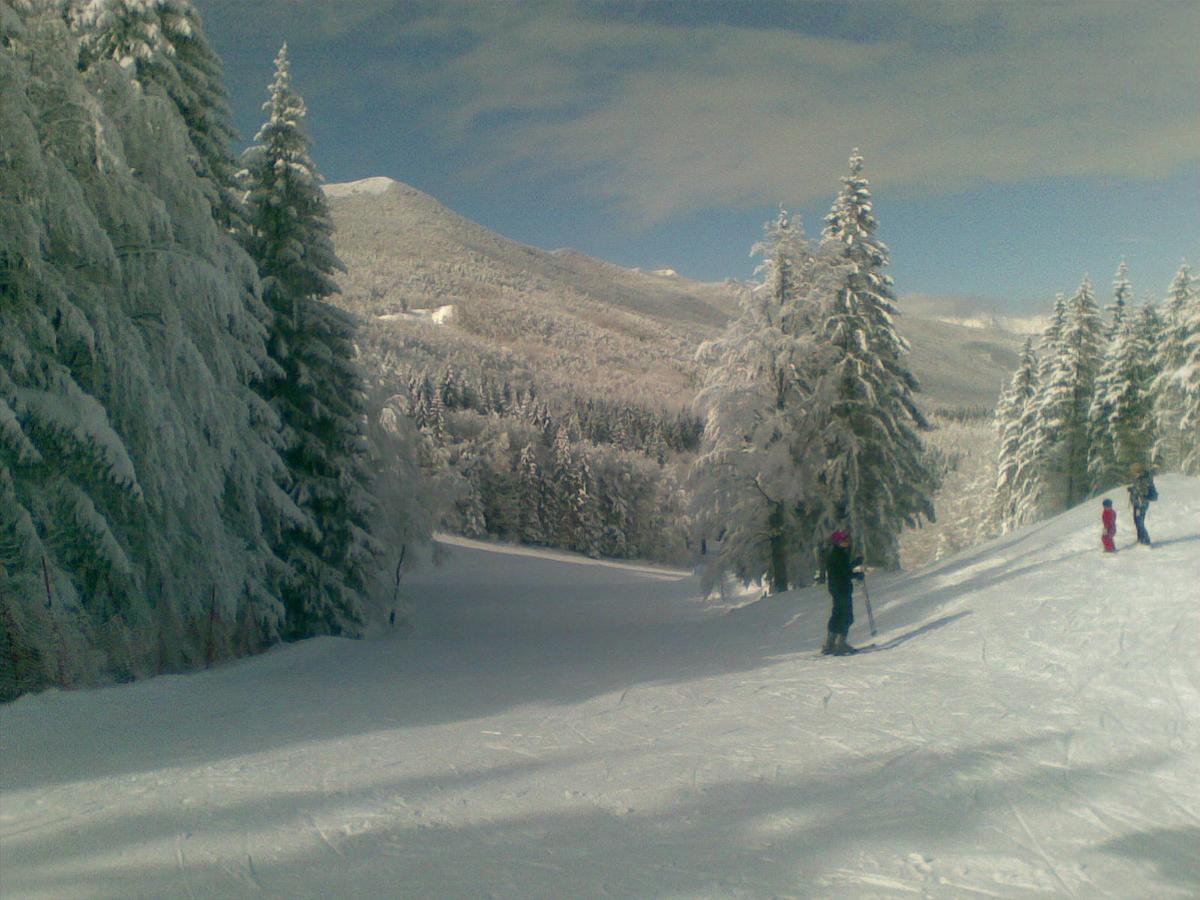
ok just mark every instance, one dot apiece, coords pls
pixel 1030 725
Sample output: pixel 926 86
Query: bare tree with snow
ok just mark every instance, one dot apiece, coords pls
pixel 752 479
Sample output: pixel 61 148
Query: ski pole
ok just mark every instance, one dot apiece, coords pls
pixel 867 600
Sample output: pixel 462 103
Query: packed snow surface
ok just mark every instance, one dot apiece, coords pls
pixel 561 727
pixel 376 184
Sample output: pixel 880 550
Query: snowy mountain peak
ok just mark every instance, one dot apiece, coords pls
pixel 377 184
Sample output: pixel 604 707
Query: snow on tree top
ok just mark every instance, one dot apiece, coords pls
pixel 377 184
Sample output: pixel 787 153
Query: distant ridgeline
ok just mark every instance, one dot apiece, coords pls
pixel 595 476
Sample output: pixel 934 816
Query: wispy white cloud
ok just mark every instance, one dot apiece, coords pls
pixel 662 119
pixel 665 119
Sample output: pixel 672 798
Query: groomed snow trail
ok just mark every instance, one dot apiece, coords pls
pixel 554 727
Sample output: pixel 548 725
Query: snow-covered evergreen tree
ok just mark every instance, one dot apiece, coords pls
pixel 1121 413
pixel 499 483
pixel 1036 442
pixel 162 45
pixel 531 515
pixel 1176 429
pixel 1012 420
pixel 1103 468
pixel 1121 302
pixel 1102 462
pixel 1047 344
pixel 617 516
pixel 471 518
pixel 317 391
pixel 563 489
pixel 875 477
pixel 1188 379
pixel 589 534
pixel 135 474
pixel 1067 390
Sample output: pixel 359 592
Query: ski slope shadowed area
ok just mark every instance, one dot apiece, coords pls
pixel 560 727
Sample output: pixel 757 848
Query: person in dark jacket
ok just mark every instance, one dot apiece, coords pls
pixel 839 578
pixel 1141 494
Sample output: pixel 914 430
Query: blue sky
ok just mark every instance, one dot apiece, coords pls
pixel 1011 146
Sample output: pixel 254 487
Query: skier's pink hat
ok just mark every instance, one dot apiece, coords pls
pixel 838 536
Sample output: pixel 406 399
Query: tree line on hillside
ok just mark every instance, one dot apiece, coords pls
pixel 627 426
pixel 1098 394
pixel 182 462
pixel 582 474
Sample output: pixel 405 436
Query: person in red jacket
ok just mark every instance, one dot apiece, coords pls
pixel 1109 518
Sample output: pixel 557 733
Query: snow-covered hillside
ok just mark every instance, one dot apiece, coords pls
pixel 564 727
pixel 582 324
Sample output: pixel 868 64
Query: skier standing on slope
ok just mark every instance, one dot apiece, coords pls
pixel 1109 518
pixel 839 576
pixel 1141 494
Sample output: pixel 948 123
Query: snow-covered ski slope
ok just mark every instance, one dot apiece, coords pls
pixel 561 728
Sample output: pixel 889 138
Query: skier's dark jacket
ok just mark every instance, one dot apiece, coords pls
pixel 839 570
pixel 1142 491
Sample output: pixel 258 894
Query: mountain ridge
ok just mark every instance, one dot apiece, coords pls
pixel 583 324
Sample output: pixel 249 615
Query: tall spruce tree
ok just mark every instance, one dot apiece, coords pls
pixel 1121 302
pixel 317 391
pixel 1121 413
pixel 1103 468
pixel 564 487
pixel 1177 431
pixel 1012 421
pixel 589 536
pixel 532 510
pixel 1038 442
pixel 1102 462
pixel 1067 398
pixel 875 478
pixel 1188 378
pixel 1031 480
